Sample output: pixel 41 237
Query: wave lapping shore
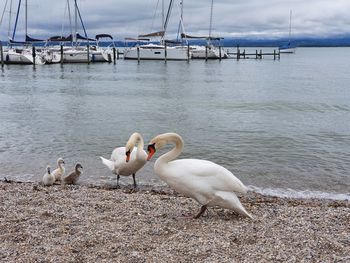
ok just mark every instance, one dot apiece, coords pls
pixel 96 224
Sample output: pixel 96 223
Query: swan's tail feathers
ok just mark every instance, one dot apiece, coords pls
pixel 108 163
pixel 239 208
pixel 229 200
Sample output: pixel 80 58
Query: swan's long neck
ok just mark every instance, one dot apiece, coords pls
pixel 175 152
pixel 60 166
pixel 77 171
pixel 140 144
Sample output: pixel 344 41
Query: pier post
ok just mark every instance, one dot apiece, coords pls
pixel 279 54
pixel 237 53
pixel 1 55
pixel 260 54
pixel 88 54
pixel 256 54
pixel 220 53
pixel 274 54
pixel 138 54
pixel 244 53
pixel 165 52
pixel 188 52
pixel 206 53
pixel 34 55
pixel 61 54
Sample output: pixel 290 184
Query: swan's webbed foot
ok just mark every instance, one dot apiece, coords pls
pixel 203 208
pixel 133 177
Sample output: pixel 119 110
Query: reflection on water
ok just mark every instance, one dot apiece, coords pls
pixel 274 124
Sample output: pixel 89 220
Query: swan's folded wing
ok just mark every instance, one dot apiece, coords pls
pixel 118 153
pixel 214 175
pixel 119 157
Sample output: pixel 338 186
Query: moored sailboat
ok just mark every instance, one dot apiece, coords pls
pixel 210 50
pixel 74 48
pixel 162 51
pixel 22 52
pixel 288 48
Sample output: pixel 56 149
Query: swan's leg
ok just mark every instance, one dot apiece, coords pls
pixel 203 208
pixel 133 177
pixel 118 176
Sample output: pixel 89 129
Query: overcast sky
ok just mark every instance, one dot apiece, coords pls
pixel 236 18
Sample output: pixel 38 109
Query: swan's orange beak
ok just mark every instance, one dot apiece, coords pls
pixel 127 156
pixel 151 150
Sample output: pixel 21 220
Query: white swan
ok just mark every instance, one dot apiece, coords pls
pixel 59 172
pixel 48 178
pixel 127 160
pixel 208 183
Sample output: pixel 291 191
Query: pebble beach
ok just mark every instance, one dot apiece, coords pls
pixel 83 223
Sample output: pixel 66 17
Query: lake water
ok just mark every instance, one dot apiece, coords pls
pixel 282 127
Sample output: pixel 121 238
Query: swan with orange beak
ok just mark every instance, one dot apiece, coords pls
pixel 206 182
pixel 126 161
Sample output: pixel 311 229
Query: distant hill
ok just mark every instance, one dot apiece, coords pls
pixel 343 41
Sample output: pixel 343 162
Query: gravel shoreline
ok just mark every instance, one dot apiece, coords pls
pixel 90 224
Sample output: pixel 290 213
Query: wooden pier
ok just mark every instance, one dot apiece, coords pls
pixel 257 55
pixel 116 54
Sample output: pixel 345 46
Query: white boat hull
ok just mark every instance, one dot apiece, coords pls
pixel 156 52
pixel 22 57
pixel 72 55
pixel 287 50
pixel 201 52
pixel 77 56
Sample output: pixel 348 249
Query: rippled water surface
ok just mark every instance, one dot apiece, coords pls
pixel 275 124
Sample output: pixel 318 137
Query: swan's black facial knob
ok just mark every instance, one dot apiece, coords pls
pixel 151 150
pixel 127 156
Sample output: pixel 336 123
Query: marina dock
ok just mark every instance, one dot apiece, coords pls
pixel 259 54
pixel 114 54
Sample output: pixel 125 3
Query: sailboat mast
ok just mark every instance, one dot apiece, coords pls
pixel 162 15
pixel 168 16
pixel 10 19
pixel 211 19
pixel 182 10
pixel 3 13
pixel 70 19
pixel 14 29
pixel 290 25
pixel 75 20
pixel 181 28
pixel 26 18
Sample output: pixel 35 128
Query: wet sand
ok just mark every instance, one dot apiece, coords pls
pixel 90 224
